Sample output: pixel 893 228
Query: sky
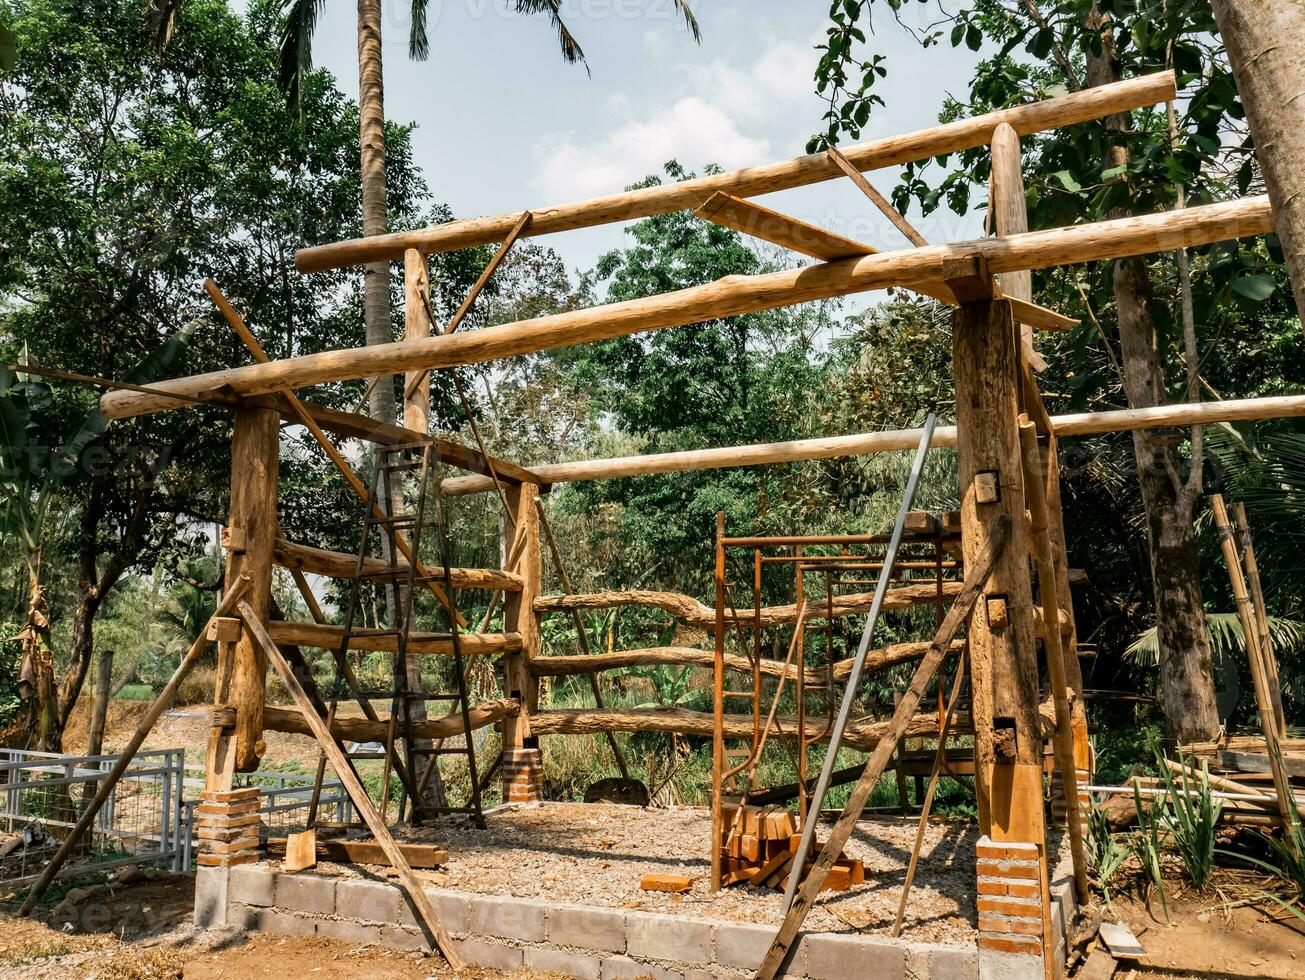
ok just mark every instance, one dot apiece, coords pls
pixel 504 124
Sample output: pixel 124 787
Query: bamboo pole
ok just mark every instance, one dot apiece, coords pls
pixel 1049 596
pixel 1246 612
pixel 731 296
pixel 233 596
pixel 869 443
pixel 1261 615
pixel 964 134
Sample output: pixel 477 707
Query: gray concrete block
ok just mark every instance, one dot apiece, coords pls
pixel 508 918
pixel 212 893
pixel 305 893
pixel 994 965
pixel 570 964
pixel 451 907
pixel 615 967
pixel 587 928
pixel 251 884
pixel 667 937
pixel 243 917
pixel 847 957
pixel 742 945
pixel 951 962
pixel 480 953
pixel 349 931
pixel 370 901
pixel 284 924
pixel 396 937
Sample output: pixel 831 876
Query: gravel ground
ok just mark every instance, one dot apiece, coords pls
pixel 595 854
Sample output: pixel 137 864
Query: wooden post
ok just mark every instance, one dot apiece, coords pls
pixel 251 537
pixel 1002 631
pixel 718 708
pixel 1261 614
pixel 416 326
pixel 1263 696
pixel 522 766
pixel 1010 217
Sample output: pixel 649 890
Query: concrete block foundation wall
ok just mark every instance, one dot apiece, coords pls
pixel 508 933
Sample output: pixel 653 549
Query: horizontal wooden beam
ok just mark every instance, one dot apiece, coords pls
pixel 566 666
pixel 862 734
pixel 779 229
pixel 341 851
pixel 690 611
pixel 869 443
pixel 731 296
pixel 963 134
pixel 327 637
pixel 337 564
pixel 291 721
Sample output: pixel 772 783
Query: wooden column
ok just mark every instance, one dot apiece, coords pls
pixel 250 539
pixel 1010 217
pixel 521 550
pixel 1002 632
pixel 416 326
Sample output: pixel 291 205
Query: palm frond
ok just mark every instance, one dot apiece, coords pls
pixel 297 49
pixel 418 39
pixel 1226 636
pixel 571 50
pixel 690 21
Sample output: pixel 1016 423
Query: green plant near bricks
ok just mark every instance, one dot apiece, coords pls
pixel 1108 852
pixel 1148 844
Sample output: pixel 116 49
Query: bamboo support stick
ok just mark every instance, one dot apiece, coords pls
pixel 1264 699
pixel 877 199
pixel 1261 615
pixel 233 596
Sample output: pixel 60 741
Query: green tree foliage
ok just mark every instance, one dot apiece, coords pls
pixel 126 177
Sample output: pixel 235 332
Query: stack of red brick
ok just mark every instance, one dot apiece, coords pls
pixel 227 827
pixel 1010 897
pixel 523 776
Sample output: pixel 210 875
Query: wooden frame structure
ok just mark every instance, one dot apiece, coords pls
pixel 1006 444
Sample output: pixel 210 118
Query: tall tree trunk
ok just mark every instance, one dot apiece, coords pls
pixel 100 702
pixel 371 115
pixel 1186 675
pixel 1266 46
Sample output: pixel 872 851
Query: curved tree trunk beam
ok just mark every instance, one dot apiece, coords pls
pixel 291 721
pixel 567 666
pixel 338 564
pixel 690 611
pixel 862 734
pixel 327 637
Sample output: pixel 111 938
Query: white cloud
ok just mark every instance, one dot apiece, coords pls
pixel 690 130
pixel 780 80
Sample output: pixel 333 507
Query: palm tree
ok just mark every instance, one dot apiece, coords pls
pixel 296 61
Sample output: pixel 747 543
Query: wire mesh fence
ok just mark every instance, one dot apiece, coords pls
pixel 148 818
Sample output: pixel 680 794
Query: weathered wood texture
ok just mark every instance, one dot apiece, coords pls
pixel 690 611
pixel 522 554
pixel 732 296
pixel 868 443
pixel 327 637
pixel 1003 657
pixel 337 564
pixel 292 721
pixel 252 524
pixel 416 326
pixel 367 852
pixel 797 172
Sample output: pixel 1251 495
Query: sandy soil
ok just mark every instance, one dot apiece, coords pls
pixel 595 854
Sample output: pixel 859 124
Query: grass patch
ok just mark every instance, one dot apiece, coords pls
pixel 136 692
